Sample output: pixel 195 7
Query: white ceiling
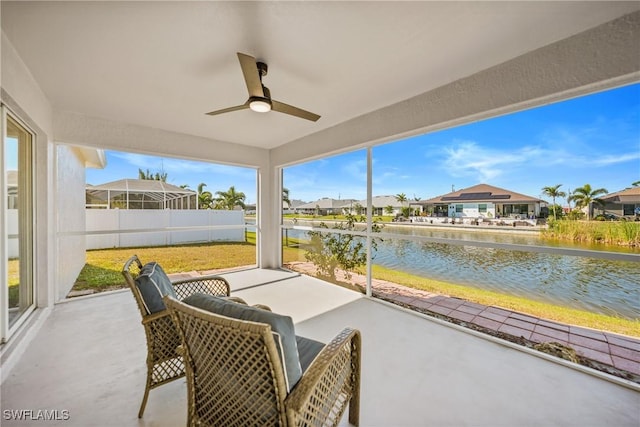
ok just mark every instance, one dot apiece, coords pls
pixel 165 64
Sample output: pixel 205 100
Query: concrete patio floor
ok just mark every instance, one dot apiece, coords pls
pixel 88 359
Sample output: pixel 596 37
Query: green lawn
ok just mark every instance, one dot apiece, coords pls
pixel 103 267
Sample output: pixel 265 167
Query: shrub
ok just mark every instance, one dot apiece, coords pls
pixel 330 251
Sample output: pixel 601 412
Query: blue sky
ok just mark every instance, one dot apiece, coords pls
pixel 593 139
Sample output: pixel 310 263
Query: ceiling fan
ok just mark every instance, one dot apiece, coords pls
pixel 259 95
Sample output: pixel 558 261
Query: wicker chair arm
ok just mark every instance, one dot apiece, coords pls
pixel 212 285
pixel 331 381
pixel 149 318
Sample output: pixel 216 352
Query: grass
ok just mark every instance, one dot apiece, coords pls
pixel 13 280
pixel 523 305
pixel 625 233
pixel 103 268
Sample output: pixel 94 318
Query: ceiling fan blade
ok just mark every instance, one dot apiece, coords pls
pixel 230 109
pixel 251 75
pixel 293 111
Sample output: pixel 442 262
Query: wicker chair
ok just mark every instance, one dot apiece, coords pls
pixel 235 378
pixel 164 364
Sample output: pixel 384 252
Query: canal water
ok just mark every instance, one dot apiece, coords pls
pixel 595 285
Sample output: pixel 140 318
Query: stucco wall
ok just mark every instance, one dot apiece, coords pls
pixel 18 82
pixel 71 217
pixel 24 97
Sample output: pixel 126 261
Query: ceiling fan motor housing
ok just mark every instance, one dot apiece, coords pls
pixel 262 69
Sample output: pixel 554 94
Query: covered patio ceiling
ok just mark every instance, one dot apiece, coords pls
pixel 163 65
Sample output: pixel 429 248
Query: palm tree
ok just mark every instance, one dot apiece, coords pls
pixel 635 184
pixel 554 192
pixel 401 198
pixel 230 199
pixel 205 198
pixel 149 176
pixel 584 196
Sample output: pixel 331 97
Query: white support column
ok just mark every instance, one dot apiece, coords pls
pixel 369 217
pixel 268 210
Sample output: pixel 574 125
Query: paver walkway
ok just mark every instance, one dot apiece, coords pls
pixel 619 351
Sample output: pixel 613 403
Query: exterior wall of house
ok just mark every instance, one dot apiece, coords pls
pixel 22 94
pixel 70 201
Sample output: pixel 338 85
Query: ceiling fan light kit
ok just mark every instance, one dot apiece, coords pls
pixel 260 105
pixel 259 95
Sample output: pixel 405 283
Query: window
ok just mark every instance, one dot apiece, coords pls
pixel 459 208
pixel 482 208
pixel 628 209
pixel 515 209
pixel 18 294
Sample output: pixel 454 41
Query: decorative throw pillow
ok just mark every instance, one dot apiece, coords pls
pixel 154 284
pixel 281 326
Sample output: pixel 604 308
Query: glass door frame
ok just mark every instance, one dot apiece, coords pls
pixel 7 330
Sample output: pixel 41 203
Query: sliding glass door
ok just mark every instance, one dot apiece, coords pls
pixel 17 296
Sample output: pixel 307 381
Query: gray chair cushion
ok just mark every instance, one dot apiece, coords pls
pixel 154 284
pixel 308 349
pixel 281 326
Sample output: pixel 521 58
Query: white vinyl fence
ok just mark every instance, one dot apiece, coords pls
pixel 110 222
pixel 121 223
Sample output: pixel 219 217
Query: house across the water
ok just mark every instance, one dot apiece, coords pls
pixel 484 201
pixel 624 203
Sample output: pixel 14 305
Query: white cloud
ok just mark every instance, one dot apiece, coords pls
pixel 469 159
pixel 615 159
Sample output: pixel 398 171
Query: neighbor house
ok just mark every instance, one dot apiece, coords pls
pixel 624 203
pixel 326 206
pixel 484 201
pixel 383 205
